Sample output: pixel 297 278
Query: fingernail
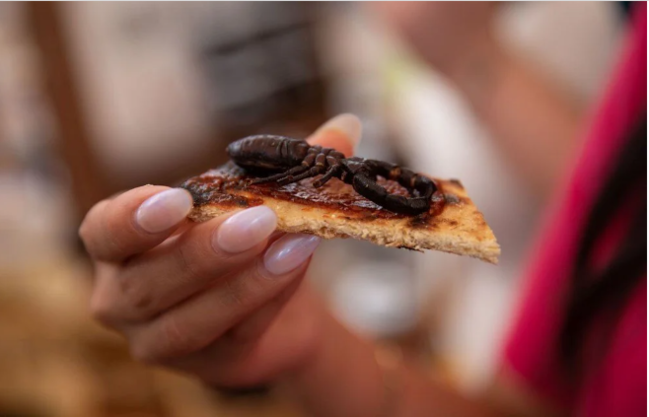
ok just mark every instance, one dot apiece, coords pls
pixel 164 210
pixel 289 252
pixel 346 123
pixel 245 229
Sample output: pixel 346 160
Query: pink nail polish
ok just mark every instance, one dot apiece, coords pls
pixel 245 229
pixel 164 210
pixel 289 252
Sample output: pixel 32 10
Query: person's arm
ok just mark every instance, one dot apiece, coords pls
pixel 533 122
pixel 343 378
pixel 226 303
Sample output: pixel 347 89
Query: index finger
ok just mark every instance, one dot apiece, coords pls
pixel 115 230
pixel 342 133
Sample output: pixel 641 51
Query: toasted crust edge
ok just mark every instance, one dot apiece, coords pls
pixel 295 218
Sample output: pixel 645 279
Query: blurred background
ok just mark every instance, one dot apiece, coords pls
pixel 101 97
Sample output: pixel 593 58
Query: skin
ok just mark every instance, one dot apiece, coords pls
pixel 224 319
pixel 533 123
pixel 164 290
pixel 220 317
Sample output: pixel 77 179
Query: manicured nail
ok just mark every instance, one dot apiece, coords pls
pixel 245 229
pixel 346 123
pixel 164 210
pixel 289 252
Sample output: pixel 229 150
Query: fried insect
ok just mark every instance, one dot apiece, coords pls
pixel 286 160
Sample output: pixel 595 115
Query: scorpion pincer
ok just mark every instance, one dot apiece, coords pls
pixel 285 160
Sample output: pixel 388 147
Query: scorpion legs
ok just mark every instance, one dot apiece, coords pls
pixel 318 168
pixel 335 169
pixel 277 177
pixel 314 163
pixel 312 172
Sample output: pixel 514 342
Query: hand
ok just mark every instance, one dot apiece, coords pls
pixel 444 33
pixel 222 300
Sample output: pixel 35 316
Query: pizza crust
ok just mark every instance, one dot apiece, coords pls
pixel 459 228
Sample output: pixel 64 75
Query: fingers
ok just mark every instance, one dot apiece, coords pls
pixel 342 133
pixel 249 330
pixel 140 219
pixel 156 280
pixel 134 221
pixel 173 293
pixel 264 346
pixel 200 320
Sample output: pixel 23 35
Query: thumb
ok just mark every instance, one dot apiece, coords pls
pixel 342 133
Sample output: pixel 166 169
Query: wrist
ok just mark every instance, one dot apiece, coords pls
pixel 342 377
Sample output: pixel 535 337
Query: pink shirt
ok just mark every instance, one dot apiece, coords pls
pixel 616 386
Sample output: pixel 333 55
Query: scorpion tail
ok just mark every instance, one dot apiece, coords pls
pixel 368 188
pixel 408 179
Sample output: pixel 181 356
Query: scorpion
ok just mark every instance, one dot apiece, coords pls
pixel 285 160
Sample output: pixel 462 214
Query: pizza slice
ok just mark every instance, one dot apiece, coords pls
pixel 452 224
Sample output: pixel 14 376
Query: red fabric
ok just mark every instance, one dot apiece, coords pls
pixel 617 385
